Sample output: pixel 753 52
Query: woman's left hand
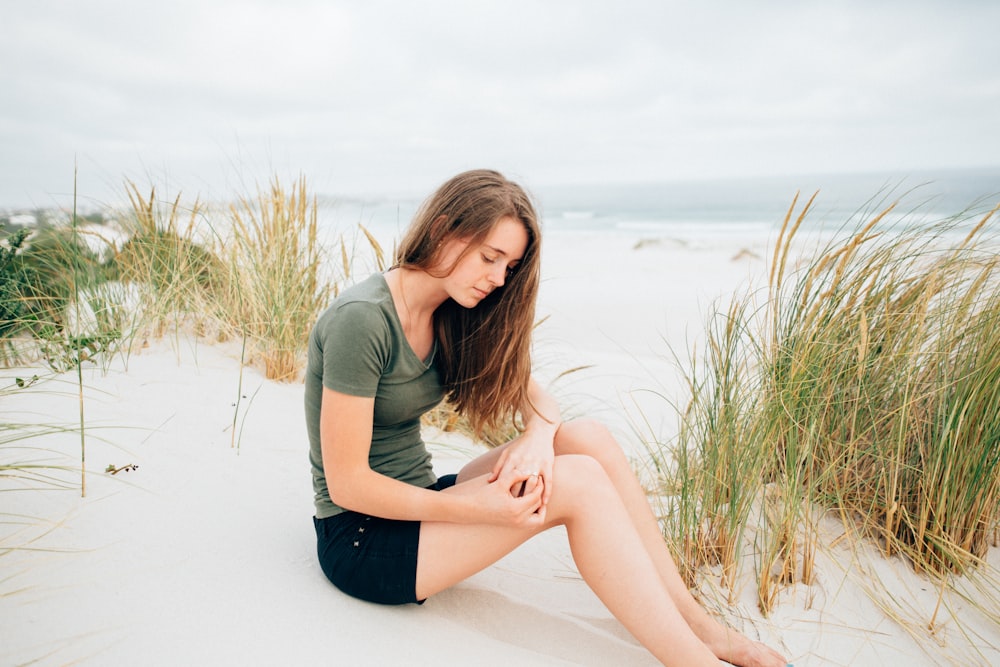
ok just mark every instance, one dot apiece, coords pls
pixel 529 458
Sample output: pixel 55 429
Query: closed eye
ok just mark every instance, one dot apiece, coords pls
pixel 491 255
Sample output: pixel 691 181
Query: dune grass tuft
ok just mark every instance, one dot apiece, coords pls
pixel 865 386
pixel 274 263
pixel 174 273
pixel 253 270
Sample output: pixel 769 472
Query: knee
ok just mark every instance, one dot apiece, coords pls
pixel 580 473
pixel 590 438
pixel 581 485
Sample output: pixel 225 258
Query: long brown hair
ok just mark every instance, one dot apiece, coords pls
pixel 484 353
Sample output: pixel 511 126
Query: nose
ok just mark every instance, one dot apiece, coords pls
pixel 499 274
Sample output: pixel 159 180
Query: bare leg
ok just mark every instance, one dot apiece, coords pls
pixel 605 546
pixel 593 439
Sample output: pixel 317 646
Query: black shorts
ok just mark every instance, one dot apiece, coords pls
pixel 371 558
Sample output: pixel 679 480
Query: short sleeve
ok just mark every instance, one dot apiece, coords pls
pixel 356 347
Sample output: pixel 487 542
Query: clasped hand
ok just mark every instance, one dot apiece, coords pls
pixel 524 470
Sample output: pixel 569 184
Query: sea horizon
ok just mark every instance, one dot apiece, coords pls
pixel 720 206
pixel 696 208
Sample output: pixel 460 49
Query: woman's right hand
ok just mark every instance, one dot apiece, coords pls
pixel 503 505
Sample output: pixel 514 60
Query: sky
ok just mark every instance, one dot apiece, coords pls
pixel 212 98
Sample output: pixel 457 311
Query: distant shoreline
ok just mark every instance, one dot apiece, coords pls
pixel 948 189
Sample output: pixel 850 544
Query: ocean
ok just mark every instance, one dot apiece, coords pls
pixel 694 210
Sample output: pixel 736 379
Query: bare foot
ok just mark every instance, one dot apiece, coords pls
pixel 743 652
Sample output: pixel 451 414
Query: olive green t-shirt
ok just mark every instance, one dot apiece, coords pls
pixel 358 348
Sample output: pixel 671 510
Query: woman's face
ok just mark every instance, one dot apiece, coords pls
pixel 486 267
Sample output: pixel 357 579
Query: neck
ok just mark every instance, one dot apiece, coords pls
pixel 416 294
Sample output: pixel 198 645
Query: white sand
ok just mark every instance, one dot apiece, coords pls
pixel 205 554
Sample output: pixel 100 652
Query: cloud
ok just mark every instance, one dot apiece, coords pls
pixel 391 96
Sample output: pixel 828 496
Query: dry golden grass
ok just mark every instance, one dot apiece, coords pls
pixel 273 263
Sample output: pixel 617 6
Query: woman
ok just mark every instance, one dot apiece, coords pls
pixel 453 318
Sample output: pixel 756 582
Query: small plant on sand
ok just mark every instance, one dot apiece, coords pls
pixel 55 300
pixel 13 310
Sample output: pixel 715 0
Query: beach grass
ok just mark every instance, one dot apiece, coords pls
pixel 254 270
pixel 274 287
pixel 71 296
pixel 864 385
pixel 171 271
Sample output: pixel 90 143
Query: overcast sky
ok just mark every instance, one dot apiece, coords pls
pixel 208 97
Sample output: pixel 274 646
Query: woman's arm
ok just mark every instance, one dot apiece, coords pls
pixel 532 451
pixel 345 435
pixel 542 412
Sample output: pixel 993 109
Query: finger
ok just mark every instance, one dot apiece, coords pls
pixel 498 466
pixel 519 482
pixel 532 505
pixel 525 483
pixel 528 470
pixel 521 471
pixel 536 482
pixel 520 467
pixel 535 494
